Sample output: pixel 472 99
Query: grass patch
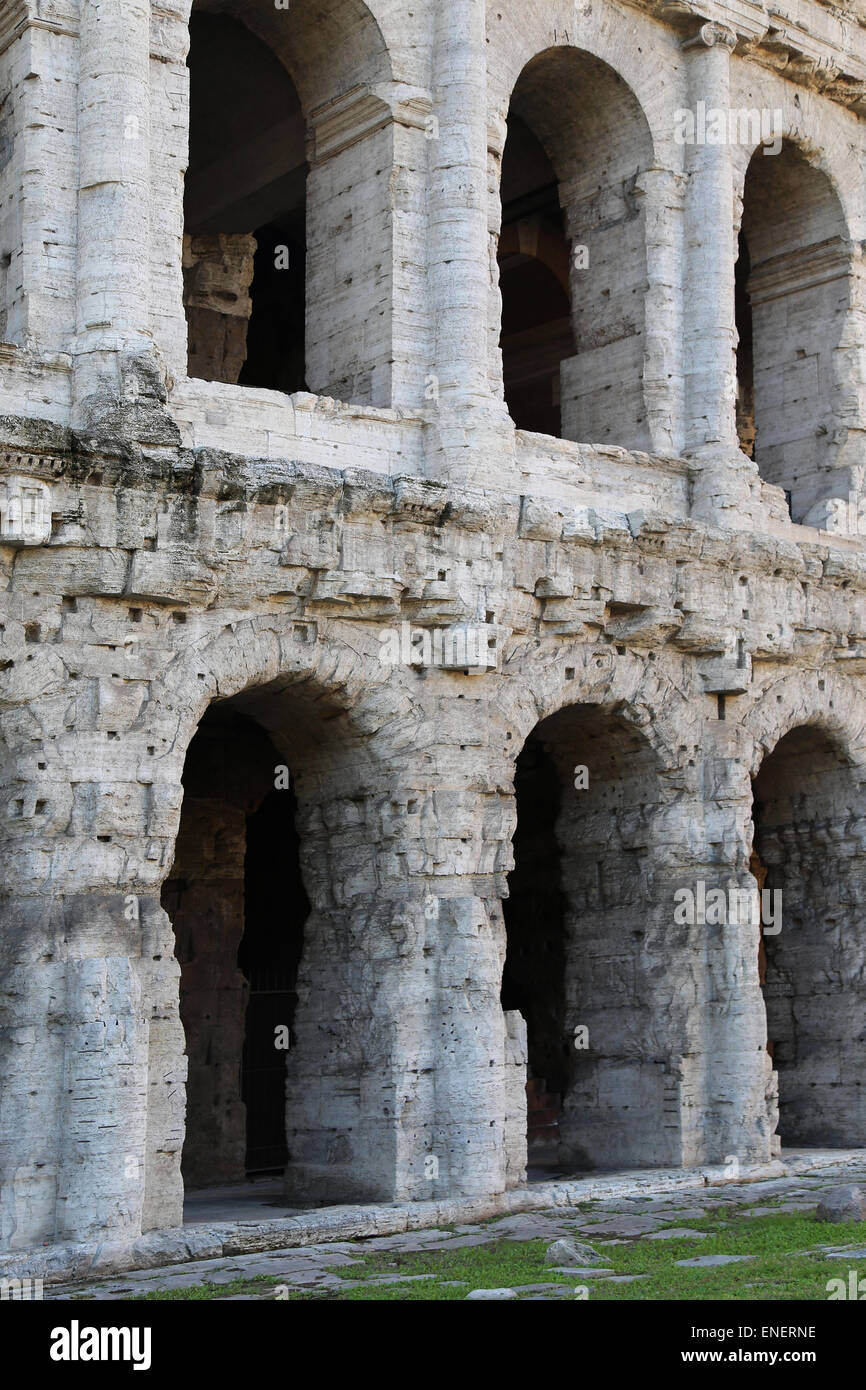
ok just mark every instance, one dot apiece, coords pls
pixel 785 1264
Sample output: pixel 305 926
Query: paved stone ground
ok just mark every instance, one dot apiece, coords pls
pixel 604 1222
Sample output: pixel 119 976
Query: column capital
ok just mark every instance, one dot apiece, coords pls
pixel 711 35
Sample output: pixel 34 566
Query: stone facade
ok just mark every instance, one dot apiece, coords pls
pixel 372 701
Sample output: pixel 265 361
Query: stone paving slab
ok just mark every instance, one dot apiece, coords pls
pixel 461 1242
pixel 539 1225
pixel 398 1278
pixel 710 1261
pixel 684 1214
pixel 783 1208
pixel 620 1226
pixel 406 1240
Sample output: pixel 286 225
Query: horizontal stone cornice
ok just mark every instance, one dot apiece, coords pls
pixel 823 48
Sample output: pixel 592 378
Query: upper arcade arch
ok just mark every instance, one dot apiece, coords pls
pixel 288 188
pixel 795 292
pixel 518 34
pixel 573 351
pixel 799 116
pixel 327 48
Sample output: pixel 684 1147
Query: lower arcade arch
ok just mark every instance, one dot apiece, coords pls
pixel 585 933
pixel 809 860
pixel 279 1023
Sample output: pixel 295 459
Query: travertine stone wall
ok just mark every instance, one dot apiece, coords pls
pixel 199 545
pixel 38 118
pixel 10 227
pixel 405 810
pixel 515 1098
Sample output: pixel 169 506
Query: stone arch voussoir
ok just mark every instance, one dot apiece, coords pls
pixel 245 656
pixel 628 685
pixel 825 700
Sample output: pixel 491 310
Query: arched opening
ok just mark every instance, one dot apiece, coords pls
pixel 279 934
pixel 580 961
pixel 238 906
pixel 244 211
pixel 792 297
pixel 808 852
pixel 288 266
pixel 572 252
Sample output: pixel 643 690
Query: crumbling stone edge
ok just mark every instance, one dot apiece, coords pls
pixel 214 1240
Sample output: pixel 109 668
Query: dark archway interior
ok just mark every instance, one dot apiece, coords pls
pixel 805 841
pixel 238 906
pixel 275 337
pixel 269 961
pixel 577 925
pixel 533 270
pixel 533 978
pixel 745 358
pixel 244 211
